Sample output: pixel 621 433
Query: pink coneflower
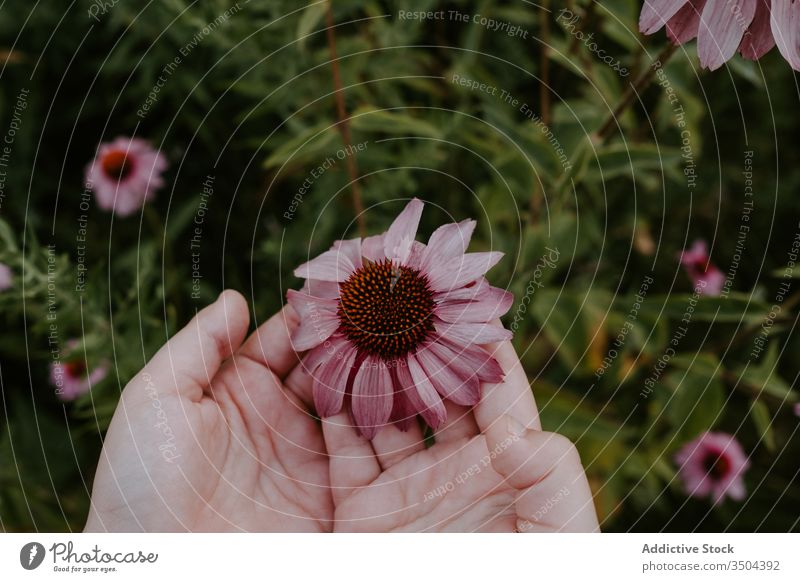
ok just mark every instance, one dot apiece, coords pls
pixel 713 464
pixel 72 378
pixel 724 26
pixel 124 174
pixel 706 277
pixel 6 277
pixel 397 325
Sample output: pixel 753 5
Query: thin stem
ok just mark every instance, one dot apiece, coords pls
pixel 344 123
pixel 635 89
pixel 544 63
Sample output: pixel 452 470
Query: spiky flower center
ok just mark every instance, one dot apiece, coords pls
pixel 117 165
pixel 386 309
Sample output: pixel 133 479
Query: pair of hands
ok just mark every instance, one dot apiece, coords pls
pixel 215 434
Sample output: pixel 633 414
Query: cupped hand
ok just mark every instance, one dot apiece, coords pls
pixel 210 436
pixel 491 469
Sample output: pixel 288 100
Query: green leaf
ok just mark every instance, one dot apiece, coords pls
pixel 759 412
pixel 370 119
pixel 698 396
pixel 308 21
pixel 735 308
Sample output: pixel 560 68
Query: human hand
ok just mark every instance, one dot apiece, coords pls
pixel 491 469
pixel 210 435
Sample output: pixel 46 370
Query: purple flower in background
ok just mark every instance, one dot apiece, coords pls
pixel 6 277
pixel 124 174
pixel 722 27
pixel 706 278
pixel 73 378
pixel 397 325
pixel 713 465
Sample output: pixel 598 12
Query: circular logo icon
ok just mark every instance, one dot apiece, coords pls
pixel 31 555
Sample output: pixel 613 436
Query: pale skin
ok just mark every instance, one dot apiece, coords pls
pixel 216 434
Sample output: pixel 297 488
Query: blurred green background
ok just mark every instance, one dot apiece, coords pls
pixel 252 104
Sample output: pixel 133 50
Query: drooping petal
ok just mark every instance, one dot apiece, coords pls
pixel 398 239
pixel 684 25
pixel 420 392
pixel 474 358
pixel 447 242
pixel 333 265
pixel 656 13
pixel 403 412
pixel 472 333
pixel 758 39
pixel 491 304
pixel 330 382
pixel 466 293
pixel 459 272
pixel 722 26
pixel 785 25
pixel 372 396
pixel 463 390
pixel 318 319
pixel 332 347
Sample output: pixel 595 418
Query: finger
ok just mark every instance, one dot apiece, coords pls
pixel 392 445
pixel 271 345
pixel 193 356
pixel 460 424
pixel 352 460
pixel 545 468
pixel 512 396
pixel 301 382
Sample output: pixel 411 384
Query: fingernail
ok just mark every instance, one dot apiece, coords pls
pixel 515 427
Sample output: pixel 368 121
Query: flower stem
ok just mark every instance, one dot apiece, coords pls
pixel 634 90
pixel 344 122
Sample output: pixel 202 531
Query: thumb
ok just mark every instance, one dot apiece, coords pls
pixel 545 468
pixel 189 360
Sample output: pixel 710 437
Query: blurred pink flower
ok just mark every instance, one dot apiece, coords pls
pixel 797 409
pixel 724 26
pixel 124 174
pixel 398 325
pixel 71 379
pixel 706 278
pixel 6 277
pixel 713 464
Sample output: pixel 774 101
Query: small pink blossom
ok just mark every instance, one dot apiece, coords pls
pixel 72 379
pixel 6 277
pixel 395 327
pixel 706 278
pixel 125 173
pixel 713 465
pixel 797 409
pixel 722 27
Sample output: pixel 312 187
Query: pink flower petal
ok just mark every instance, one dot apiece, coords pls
pixel 398 239
pixel 656 13
pixel 372 248
pixel 318 319
pixel 469 358
pixel 321 289
pixel 351 249
pixel 492 304
pixel 722 27
pixel 447 242
pixel 334 265
pixel 330 382
pixel 372 396
pixel 758 39
pixel 684 25
pixel 458 272
pixel 467 293
pixel 785 25
pixel 420 392
pixel 403 412
pixel 472 333
pixel 463 390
